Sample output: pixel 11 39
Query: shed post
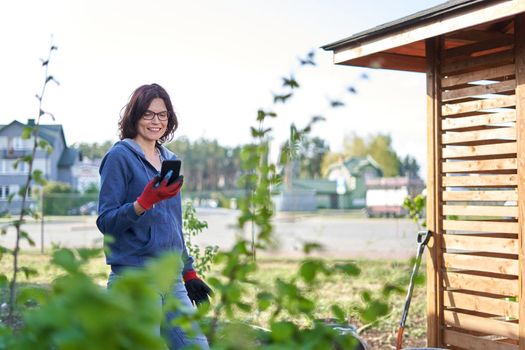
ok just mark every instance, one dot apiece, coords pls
pixel 434 318
pixel 519 37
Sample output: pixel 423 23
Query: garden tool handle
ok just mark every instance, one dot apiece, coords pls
pixel 422 240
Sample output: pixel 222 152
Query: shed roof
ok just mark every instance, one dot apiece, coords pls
pixel 400 44
pixel 415 18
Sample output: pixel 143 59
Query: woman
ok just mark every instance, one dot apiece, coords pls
pixel 141 213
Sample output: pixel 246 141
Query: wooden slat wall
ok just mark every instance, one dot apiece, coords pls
pixel 478 183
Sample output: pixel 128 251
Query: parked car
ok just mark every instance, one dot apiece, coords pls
pixel 89 208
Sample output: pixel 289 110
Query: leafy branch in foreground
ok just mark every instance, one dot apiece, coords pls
pixel 34 176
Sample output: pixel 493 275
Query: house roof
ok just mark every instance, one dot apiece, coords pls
pixel 356 164
pixel 48 132
pixel 320 186
pixel 430 13
pixel 68 157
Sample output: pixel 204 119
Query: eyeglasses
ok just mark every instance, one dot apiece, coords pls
pixel 149 115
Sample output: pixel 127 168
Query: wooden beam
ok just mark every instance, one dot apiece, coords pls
pixel 481 263
pixel 476 166
pixel 479 120
pixel 486 284
pixel 428 29
pixel 481 196
pixel 434 290
pixel 480 151
pixel 504 86
pixel 466 51
pixel 479 303
pixel 385 60
pixel 474 35
pixel 477 63
pixel 480 244
pixel 481 181
pixel 490 73
pixel 481 210
pixel 519 32
pixel 481 226
pixel 490 103
pixel 471 342
pixel 505 133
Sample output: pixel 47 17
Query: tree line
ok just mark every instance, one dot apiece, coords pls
pixel 215 167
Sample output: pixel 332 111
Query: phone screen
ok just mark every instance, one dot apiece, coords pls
pixel 174 166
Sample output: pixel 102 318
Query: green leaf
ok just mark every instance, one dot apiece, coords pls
pixel 309 269
pixel 3 281
pixel 390 288
pixel 38 177
pixel 264 300
pixel 283 331
pixel 43 144
pixel 338 313
pixel 28 271
pixel 366 296
pixel 336 104
pixel 348 268
pixel 290 82
pixel 31 295
pixel 25 235
pixel 373 311
pixel 26 133
pixel 312 246
pixel 281 98
pixel 66 260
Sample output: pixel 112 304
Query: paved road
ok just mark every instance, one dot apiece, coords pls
pixel 342 237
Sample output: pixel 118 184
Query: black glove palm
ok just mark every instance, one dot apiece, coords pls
pixel 198 291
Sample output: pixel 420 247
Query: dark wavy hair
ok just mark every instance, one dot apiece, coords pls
pixel 138 104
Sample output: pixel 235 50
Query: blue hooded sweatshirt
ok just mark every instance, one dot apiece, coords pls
pixel 124 172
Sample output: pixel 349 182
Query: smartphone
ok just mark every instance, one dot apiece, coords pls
pixel 174 166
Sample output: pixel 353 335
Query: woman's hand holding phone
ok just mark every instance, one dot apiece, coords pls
pixel 158 189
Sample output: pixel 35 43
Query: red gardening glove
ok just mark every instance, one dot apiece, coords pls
pixel 198 291
pixel 155 192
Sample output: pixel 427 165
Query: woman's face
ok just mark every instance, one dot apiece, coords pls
pixel 152 130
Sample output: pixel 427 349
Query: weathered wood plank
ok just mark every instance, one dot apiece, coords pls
pixel 478 120
pixel 477 63
pixel 483 304
pixel 479 105
pixel 481 324
pixel 481 263
pixel 511 195
pixel 485 74
pixel 505 133
pixel 480 244
pixel 468 50
pixel 479 165
pixel 495 88
pixel 519 30
pixel 481 180
pixel 480 150
pixel 454 280
pixel 481 210
pixel 476 35
pixel 481 226
pixel 471 342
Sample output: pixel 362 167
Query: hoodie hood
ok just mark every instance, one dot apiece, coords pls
pixel 135 147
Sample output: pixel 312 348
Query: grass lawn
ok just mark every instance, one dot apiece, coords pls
pixel 343 291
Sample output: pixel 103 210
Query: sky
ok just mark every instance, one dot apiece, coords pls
pixel 220 61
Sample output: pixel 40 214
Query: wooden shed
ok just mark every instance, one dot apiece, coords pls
pixel 473 55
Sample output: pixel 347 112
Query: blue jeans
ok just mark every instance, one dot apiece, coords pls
pixel 175 336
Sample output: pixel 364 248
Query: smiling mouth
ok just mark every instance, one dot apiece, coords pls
pixel 154 129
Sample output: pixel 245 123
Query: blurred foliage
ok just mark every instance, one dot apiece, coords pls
pixel 76 313
pixel 416 209
pixel 203 259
